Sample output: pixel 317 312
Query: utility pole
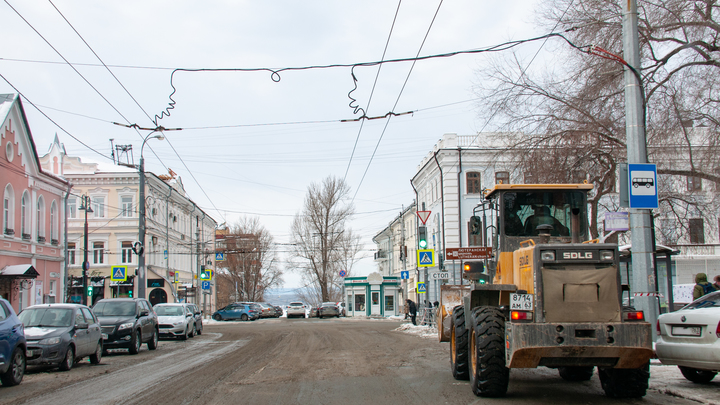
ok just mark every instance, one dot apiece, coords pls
pixel 86 264
pixel 640 219
pixel 197 277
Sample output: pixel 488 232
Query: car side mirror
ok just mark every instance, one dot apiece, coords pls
pixel 144 312
pixel 81 326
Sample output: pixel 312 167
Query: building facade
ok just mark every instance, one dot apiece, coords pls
pixel 180 236
pixel 374 295
pixel 396 251
pixel 32 267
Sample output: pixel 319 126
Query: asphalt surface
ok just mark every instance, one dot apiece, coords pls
pixel 318 361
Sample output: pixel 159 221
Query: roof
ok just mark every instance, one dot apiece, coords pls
pixel 20 271
pixel 535 187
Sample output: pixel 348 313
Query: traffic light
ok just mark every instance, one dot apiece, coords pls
pixel 475 271
pixel 422 237
pixel 130 293
pixel 90 291
pixel 204 273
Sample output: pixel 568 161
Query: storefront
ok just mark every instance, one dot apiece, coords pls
pixel 373 295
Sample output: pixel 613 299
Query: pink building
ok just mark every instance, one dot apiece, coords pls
pixel 32 259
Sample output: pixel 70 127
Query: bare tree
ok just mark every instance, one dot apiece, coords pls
pixel 250 260
pixel 572 120
pixel 322 243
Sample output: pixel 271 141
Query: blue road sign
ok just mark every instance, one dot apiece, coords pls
pixel 426 258
pixel 642 182
pixel 421 289
pixel 118 273
pixel 219 256
pixel 404 275
pixel 205 285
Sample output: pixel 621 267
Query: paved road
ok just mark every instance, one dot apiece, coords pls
pixel 294 361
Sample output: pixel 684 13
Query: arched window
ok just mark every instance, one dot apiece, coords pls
pixel 41 219
pixel 25 216
pixel 54 226
pixel 9 211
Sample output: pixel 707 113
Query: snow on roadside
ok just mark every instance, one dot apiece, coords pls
pixel 418 330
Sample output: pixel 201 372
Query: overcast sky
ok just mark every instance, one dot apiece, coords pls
pixel 251 145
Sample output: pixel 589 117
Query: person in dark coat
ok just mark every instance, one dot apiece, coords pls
pixel 412 309
pixel 702 286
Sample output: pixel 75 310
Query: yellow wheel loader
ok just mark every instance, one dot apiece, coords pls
pixel 545 296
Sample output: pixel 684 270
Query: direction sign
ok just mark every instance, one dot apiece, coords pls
pixel 421 288
pixel 205 285
pixel 426 258
pixel 642 182
pixel 219 256
pixel 468 253
pixel 118 273
pixel 443 275
pixel 404 275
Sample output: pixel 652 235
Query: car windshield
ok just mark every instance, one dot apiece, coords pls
pixel 707 301
pixel 114 308
pixel 525 211
pixel 174 310
pixel 47 317
pixel 296 304
pixel 328 304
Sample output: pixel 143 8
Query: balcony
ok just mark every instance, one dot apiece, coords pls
pixel 41 239
pixel 380 254
pixel 26 236
pixel 54 242
pixel 9 232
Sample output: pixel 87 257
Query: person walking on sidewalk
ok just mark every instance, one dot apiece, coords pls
pixel 412 310
pixel 702 286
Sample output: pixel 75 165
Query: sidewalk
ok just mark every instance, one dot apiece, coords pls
pixel 668 380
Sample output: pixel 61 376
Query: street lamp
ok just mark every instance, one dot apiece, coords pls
pixel 85 206
pixel 142 283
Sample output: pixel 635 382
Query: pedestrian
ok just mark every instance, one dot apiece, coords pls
pixel 716 284
pixel 702 286
pixel 412 310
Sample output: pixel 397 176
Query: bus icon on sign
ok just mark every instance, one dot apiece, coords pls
pixel 641 181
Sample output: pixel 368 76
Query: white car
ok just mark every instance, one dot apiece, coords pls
pixel 297 309
pixel 175 320
pixel 690 338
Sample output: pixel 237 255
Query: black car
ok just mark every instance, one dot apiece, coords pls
pixel 127 323
pixel 61 334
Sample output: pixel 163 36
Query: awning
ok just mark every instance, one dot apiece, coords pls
pixel 19 271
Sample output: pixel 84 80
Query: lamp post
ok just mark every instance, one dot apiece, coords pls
pixel 142 280
pixel 85 206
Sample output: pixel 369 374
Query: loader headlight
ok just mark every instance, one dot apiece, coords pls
pixel 607 255
pixel 547 255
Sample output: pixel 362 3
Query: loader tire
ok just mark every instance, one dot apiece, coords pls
pixel 625 383
pixel 488 374
pixel 459 345
pixel 576 373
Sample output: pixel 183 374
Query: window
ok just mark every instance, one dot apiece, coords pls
pixel 694 183
pixel 389 303
pixel 41 219
pixel 126 252
pixel 502 177
pixel 24 217
pixel 127 206
pixel 53 222
pixel 72 207
pixel 98 207
pixel 98 252
pixel 8 210
pixel 375 298
pixel 697 230
pixel 53 287
pixel 71 253
pixel 473 182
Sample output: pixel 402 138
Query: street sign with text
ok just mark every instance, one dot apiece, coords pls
pixel 468 253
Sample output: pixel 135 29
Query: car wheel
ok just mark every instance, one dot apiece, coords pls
pixel 243 317
pixel 97 356
pixel 184 335
pixel 192 332
pixel 697 376
pixel 153 343
pixel 135 343
pixel 69 359
pixel 217 317
pixel 16 370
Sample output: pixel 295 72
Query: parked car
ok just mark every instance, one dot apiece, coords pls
pixel 12 346
pixel 341 308
pixel 175 320
pixel 238 310
pixel 297 309
pixel 279 311
pixel 690 338
pixel 61 335
pixel 127 323
pixel 328 309
pixel 266 310
pixel 198 318
pixel 313 312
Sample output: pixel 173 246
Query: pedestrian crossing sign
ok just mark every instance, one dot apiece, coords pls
pixel 426 258
pixel 421 288
pixel 119 273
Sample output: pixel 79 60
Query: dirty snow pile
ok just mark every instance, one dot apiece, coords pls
pixel 419 330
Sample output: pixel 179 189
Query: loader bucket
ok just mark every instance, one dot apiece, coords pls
pixel 450 297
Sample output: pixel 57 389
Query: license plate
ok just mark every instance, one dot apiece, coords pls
pixel 104 336
pixel 686 330
pixel 521 302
